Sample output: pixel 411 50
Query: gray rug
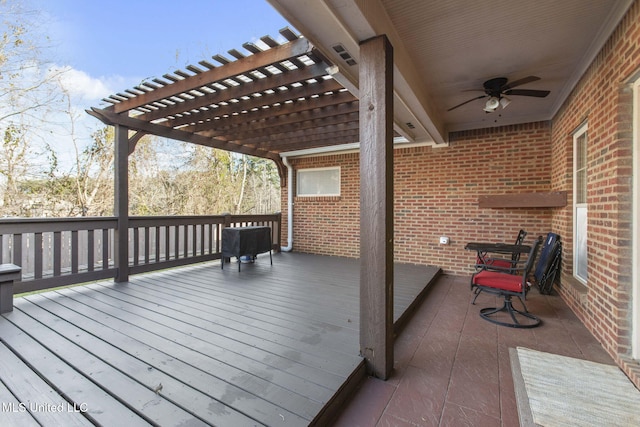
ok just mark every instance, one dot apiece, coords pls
pixel 554 390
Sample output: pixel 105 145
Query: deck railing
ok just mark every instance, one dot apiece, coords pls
pixel 56 252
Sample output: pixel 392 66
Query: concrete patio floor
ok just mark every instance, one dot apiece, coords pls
pixel 452 368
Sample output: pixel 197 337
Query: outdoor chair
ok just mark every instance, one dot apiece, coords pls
pixel 506 265
pixel 548 263
pixel 508 285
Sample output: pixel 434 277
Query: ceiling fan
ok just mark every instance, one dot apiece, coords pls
pixel 496 90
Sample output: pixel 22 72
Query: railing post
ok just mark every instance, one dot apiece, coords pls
pixel 9 273
pixel 226 223
pixel 227 220
pixel 278 234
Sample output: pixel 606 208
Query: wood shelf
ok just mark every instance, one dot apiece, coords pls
pixel 555 199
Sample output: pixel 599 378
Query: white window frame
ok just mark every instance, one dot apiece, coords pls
pixel 580 209
pixel 331 194
pixel 635 223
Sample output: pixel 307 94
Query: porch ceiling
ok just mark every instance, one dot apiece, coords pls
pixel 445 50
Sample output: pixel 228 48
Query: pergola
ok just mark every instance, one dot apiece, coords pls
pixel 274 100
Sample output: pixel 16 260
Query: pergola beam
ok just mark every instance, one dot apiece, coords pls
pixel 300 135
pixel 288 130
pixel 140 125
pixel 265 58
pixel 316 141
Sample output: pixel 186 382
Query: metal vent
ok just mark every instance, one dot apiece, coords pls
pixel 344 54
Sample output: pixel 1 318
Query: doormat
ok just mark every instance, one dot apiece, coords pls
pixel 553 390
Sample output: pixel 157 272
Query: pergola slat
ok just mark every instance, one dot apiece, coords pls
pixel 288 34
pixel 282 97
pixel 239 91
pixel 276 54
pixel 268 121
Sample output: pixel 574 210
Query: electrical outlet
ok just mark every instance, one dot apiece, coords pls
pixel 444 240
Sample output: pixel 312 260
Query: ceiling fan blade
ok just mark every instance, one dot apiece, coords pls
pixel 520 82
pixel 466 102
pixel 527 92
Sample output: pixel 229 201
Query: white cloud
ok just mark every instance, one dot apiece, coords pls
pixel 80 85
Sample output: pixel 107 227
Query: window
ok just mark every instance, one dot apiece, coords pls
pixel 319 182
pixel 580 203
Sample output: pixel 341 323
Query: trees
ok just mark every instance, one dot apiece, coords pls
pixel 27 86
pixel 166 178
pixel 204 181
pixel 93 180
pixel 27 92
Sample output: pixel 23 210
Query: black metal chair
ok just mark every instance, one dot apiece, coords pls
pixel 548 263
pixel 507 285
pixel 505 265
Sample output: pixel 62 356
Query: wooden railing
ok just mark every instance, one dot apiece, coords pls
pixel 56 252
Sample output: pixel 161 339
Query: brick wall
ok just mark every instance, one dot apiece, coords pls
pixel 328 225
pixel 603 99
pixel 436 194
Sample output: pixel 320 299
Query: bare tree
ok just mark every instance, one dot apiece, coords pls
pixel 94 175
pixel 13 168
pixel 27 85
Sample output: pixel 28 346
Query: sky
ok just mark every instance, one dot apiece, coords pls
pixel 108 46
pixel 130 40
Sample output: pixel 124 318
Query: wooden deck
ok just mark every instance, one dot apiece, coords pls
pixel 270 345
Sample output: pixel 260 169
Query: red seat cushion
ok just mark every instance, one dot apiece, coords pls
pixel 497 280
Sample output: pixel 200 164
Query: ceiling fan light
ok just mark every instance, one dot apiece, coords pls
pixel 504 101
pixel 491 105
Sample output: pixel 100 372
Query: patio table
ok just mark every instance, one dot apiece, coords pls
pixel 483 248
pixel 240 241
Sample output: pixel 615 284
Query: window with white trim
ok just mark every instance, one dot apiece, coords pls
pixel 635 236
pixel 318 182
pixel 580 171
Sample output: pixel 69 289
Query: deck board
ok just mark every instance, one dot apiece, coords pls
pixel 270 345
pixel 12 413
pixel 232 335
pixel 33 390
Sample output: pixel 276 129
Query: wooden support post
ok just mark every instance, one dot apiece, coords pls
pixel 121 203
pixel 9 273
pixel 376 205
